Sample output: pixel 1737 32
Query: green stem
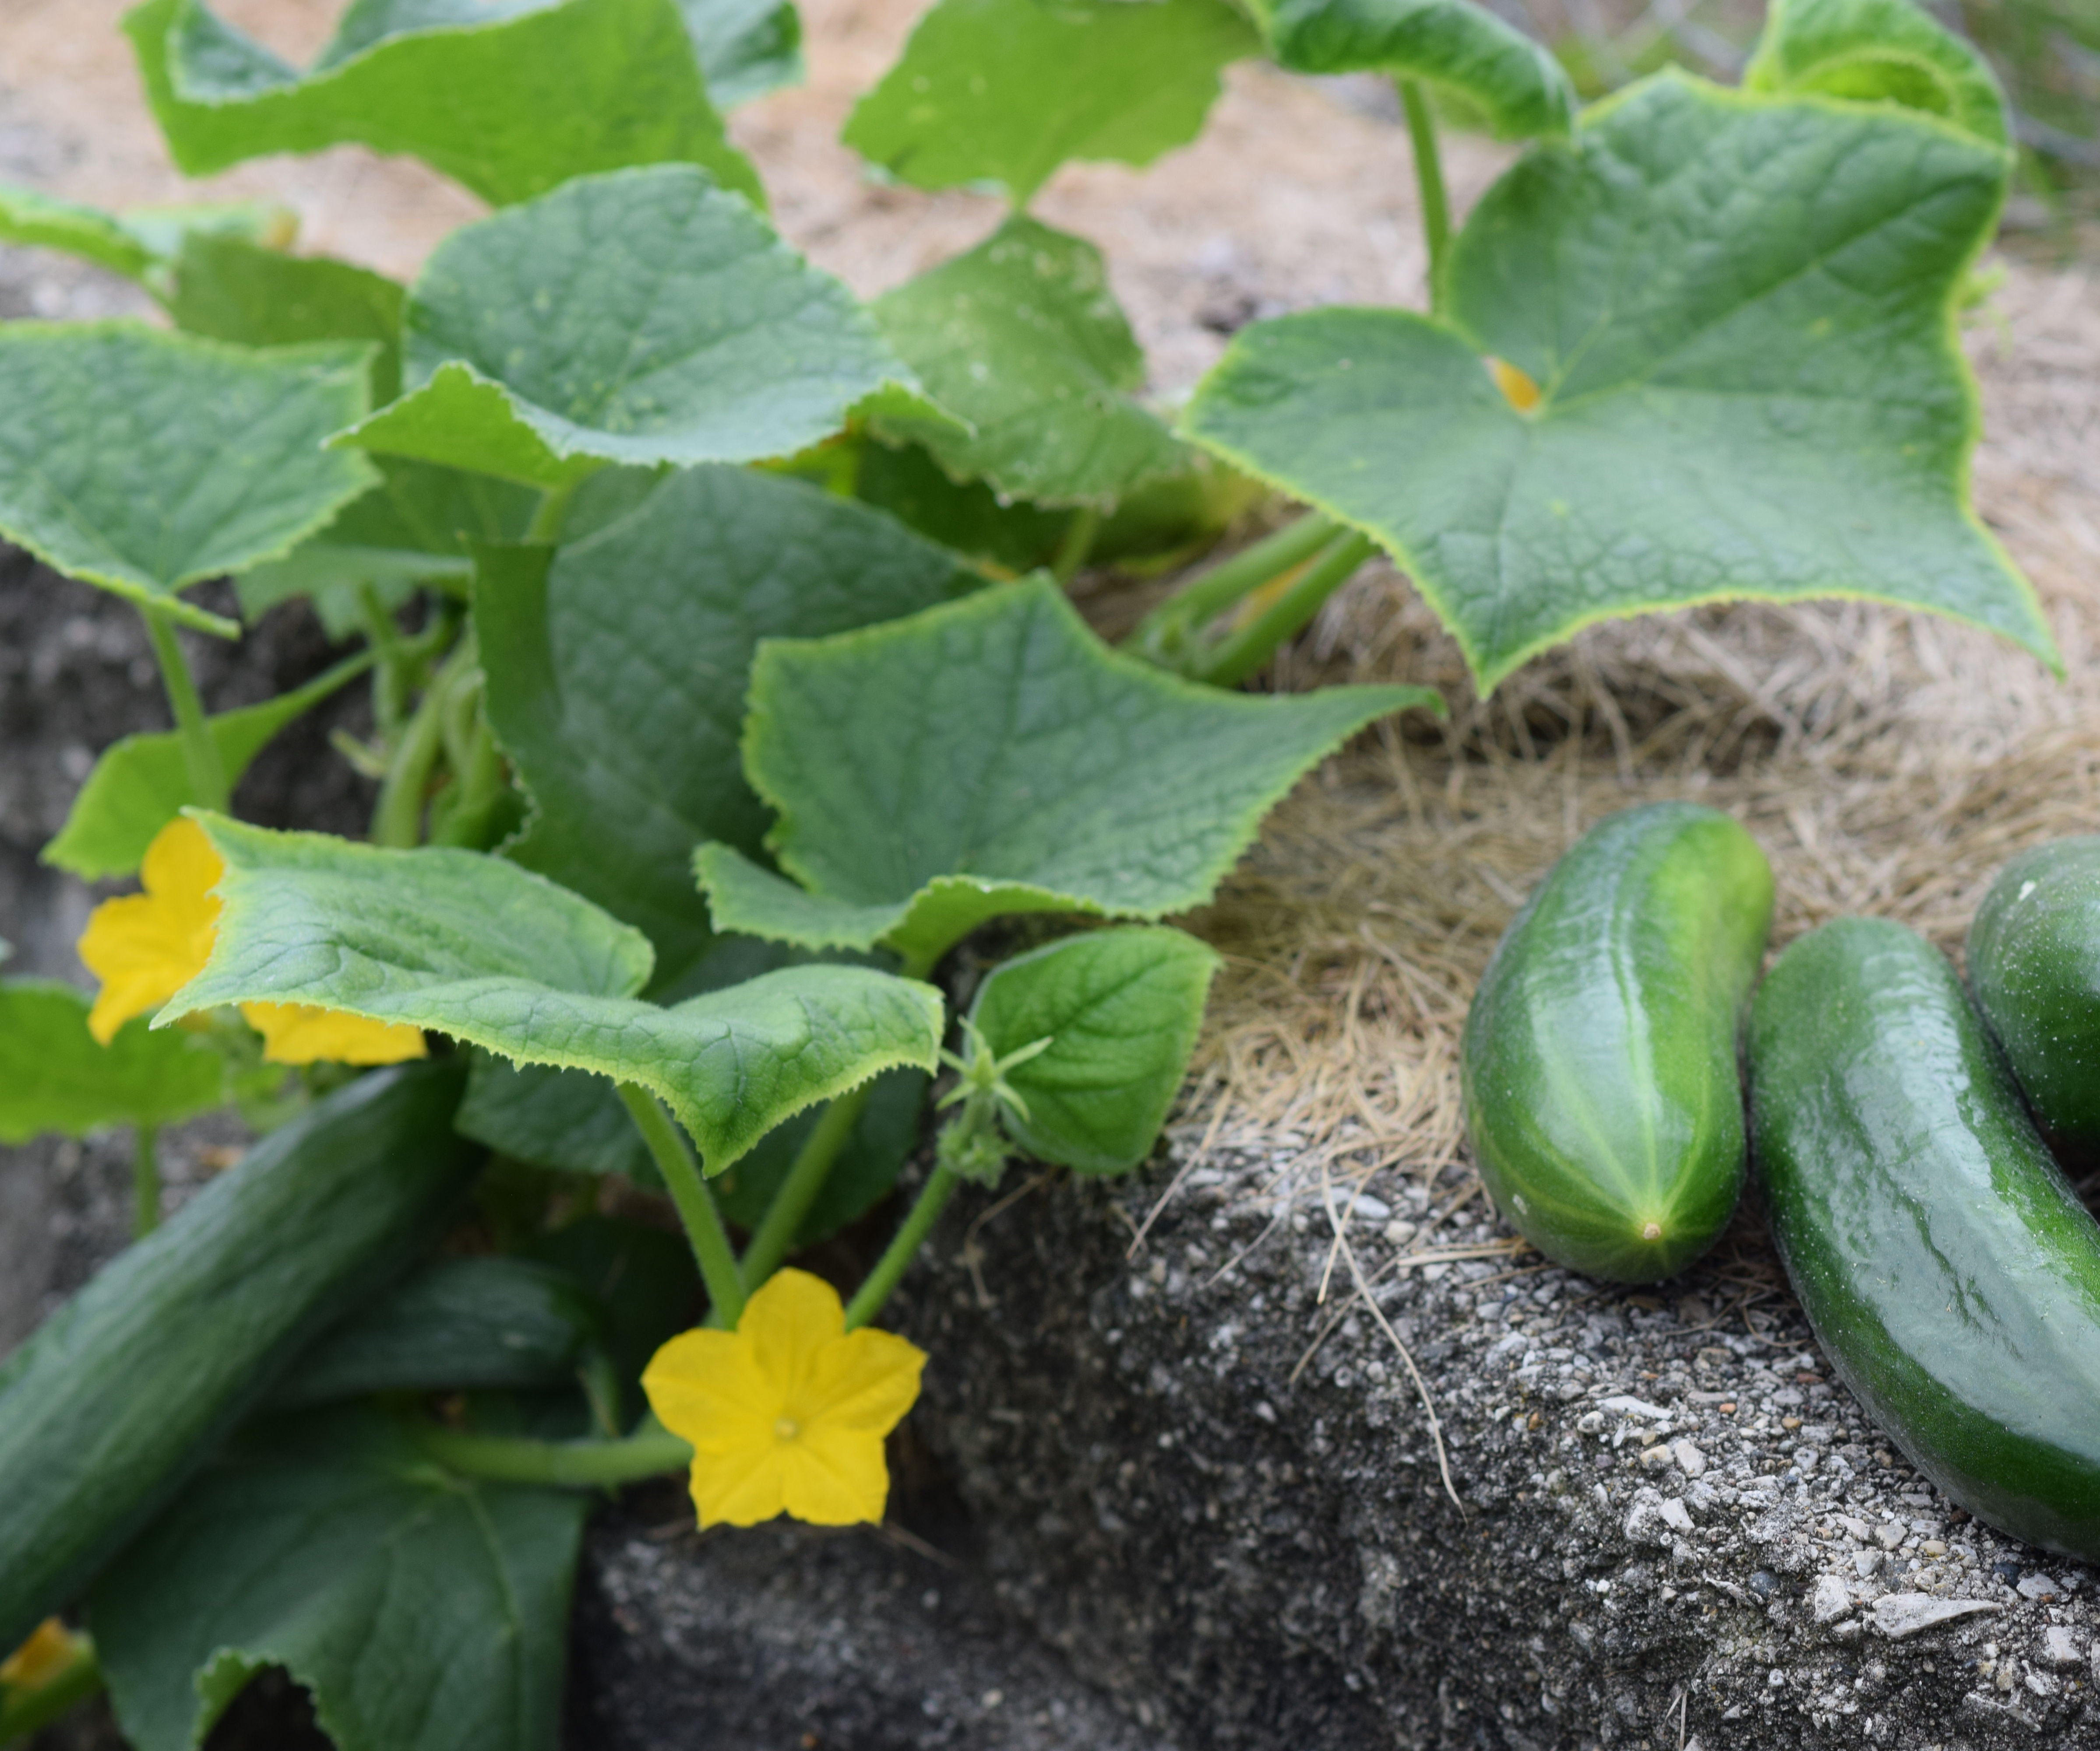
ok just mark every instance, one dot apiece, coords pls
pixel 798 1191
pixel 680 1170
pixel 1161 634
pixel 145 1182
pixel 25 1712
pixel 933 1198
pixel 1428 178
pixel 552 512
pixel 207 770
pixel 1075 543
pixel 1243 654
pixel 650 1451
pixel 391 686
pixel 397 818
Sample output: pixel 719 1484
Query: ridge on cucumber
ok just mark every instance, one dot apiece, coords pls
pixel 1601 1084
pixel 2034 963
pixel 1950 1273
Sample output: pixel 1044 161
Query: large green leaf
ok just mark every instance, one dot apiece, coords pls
pixel 141 782
pixel 1121 1009
pixel 1005 91
pixel 424 1611
pixel 642 317
pixel 616 680
pixel 1023 338
pixel 1877 51
pixel 1512 81
pixel 232 289
pixel 1737 313
pixel 478 948
pixel 54 1076
pixel 140 245
pixel 418 525
pixel 509 98
pixel 144 462
pixel 1022 766
pixel 747 48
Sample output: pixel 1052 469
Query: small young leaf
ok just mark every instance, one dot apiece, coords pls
pixel 425 1613
pixel 1877 51
pixel 139 244
pixel 1023 338
pixel 642 317
pixel 616 680
pixel 1023 767
pixel 455 1323
pixel 475 947
pixel 54 1076
pixel 747 48
pixel 1512 81
pixel 145 461
pixel 1006 90
pixel 143 783
pixel 509 100
pixel 418 525
pixel 1121 1009
pixel 1736 311
pixel 229 288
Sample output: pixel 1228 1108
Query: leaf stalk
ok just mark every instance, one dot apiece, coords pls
pixel 207 770
pixel 1242 653
pixel 813 1165
pixel 1428 178
pixel 1166 635
pixel 650 1451
pixel 903 1247
pixel 681 1170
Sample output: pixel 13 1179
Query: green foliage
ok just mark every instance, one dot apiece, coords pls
pixel 144 462
pixel 1121 1010
pixel 141 245
pixel 475 947
pixel 232 288
pixel 424 1611
pixel 617 676
pixel 1877 51
pixel 569 1120
pixel 1023 338
pixel 508 100
pixel 1737 312
pixel 55 1077
pixel 1512 81
pixel 1023 768
pixel 747 48
pixel 1003 91
pixel 643 316
pixel 141 782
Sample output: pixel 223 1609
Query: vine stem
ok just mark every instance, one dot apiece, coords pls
pixel 1161 636
pixel 889 1268
pixel 201 755
pixel 650 1451
pixel 552 511
pixel 1428 177
pixel 1240 655
pixel 1075 543
pixel 145 1181
pixel 805 1179
pixel 681 1170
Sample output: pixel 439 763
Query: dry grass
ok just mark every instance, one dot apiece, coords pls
pixel 1888 763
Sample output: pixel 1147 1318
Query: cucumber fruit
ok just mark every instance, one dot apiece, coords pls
pixel 117 1397
pixel 2034 963
pixel 1600 1068
pixel 1951 1275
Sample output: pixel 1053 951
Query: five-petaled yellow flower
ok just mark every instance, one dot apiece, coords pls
pixel 147 946
pixel 787 1413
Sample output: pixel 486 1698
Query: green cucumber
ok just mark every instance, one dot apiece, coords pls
pixel 1950 1273
pixel 118 1396
pixel 2034 963
pixel 1598 1062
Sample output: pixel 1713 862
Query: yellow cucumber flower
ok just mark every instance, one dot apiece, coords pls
pixel 48 1653
pixel 787 1413
pixel 147 946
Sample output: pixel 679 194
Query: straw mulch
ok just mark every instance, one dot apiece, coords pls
pixel 1888 764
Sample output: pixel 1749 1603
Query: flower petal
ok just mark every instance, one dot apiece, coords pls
pixel 705 1388
pixel 789 1322
pixel 307 1033
pixel 145 947
pixel 835 1477
pixel 740 1488
pixel 864 1381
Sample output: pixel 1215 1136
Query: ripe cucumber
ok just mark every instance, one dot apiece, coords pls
pixel 2034 962
pixel 120 1394
pixel 1951 1273
pixel 1601 1085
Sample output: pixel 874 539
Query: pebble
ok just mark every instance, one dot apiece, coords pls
pixel 1854 1528
pixel 1888 1535
pixel 1690 1461
pixel 1657 1458
pixel 1675 1514
pixel 2038 1586
pixel 1866 1561
pixel 2058 1647
pixel 1829 1601
pixel 1897 1615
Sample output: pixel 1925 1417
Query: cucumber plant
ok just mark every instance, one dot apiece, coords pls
pixel 723 683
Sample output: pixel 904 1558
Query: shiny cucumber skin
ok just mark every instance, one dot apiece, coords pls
pixel 2034 963
pixel 111 1405
pixel 1601 1085
pixel 1950 1273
